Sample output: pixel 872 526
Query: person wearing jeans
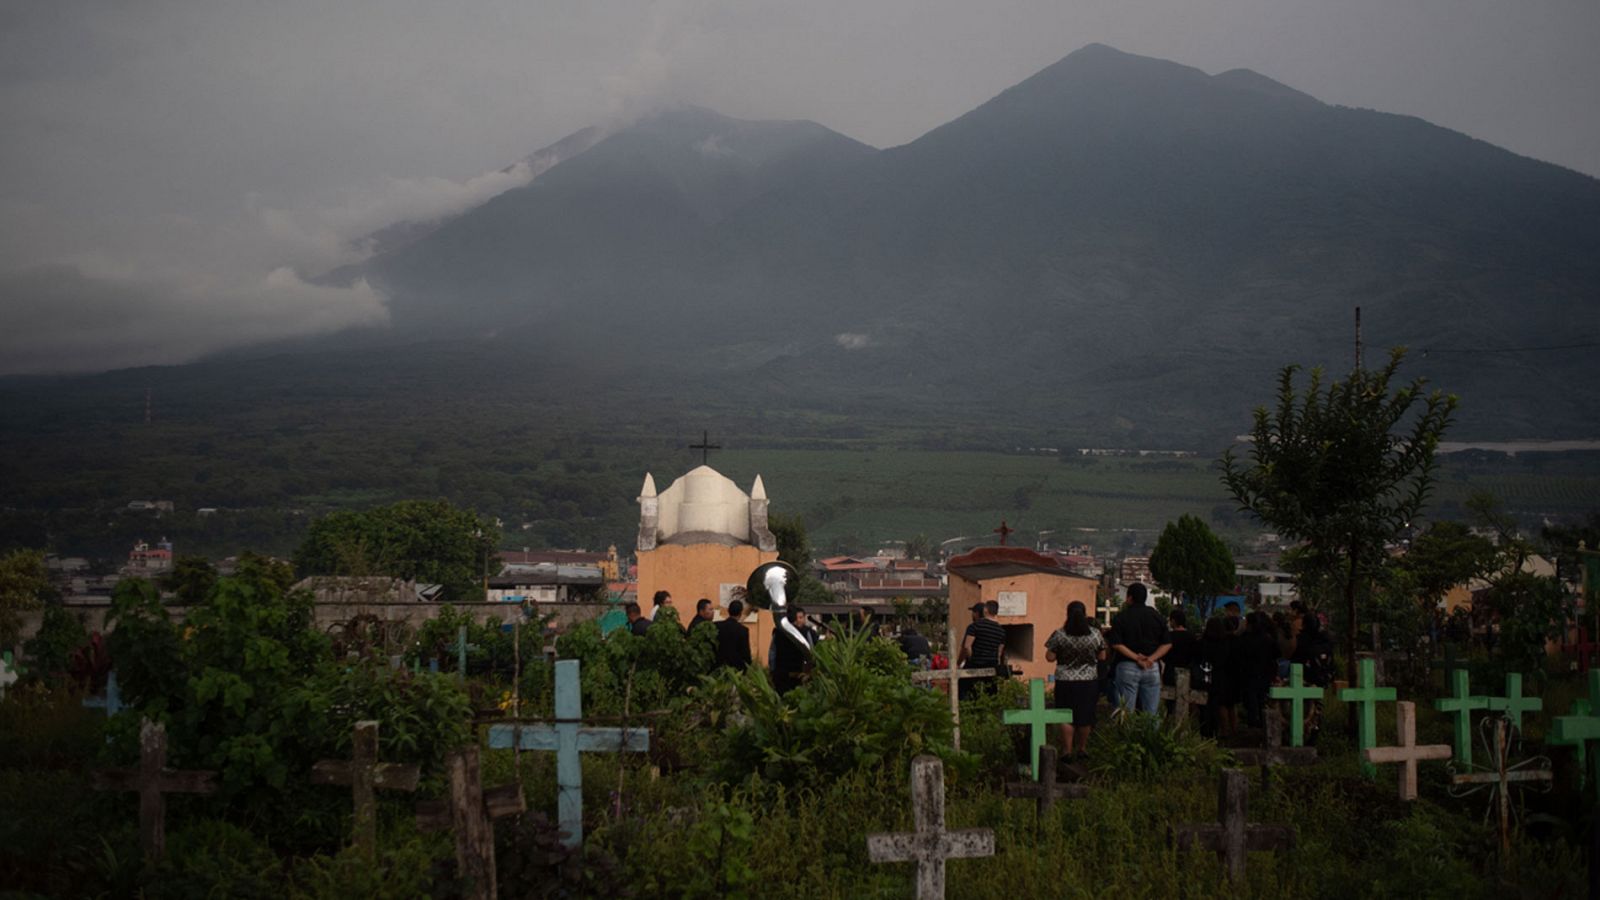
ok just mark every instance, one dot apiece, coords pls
pixel 1139 639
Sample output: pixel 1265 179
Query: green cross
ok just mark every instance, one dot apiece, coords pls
pixel 1580 725
pixel 1461 705
pixel 1036 716
pixel 1367 695
pixel 1297 693
pixel 1513 704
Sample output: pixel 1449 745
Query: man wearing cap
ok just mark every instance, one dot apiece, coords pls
pixel 983 647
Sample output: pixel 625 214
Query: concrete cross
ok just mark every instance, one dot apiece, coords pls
pixel 365 775
pixel 1501 776
pixel 1578 709
pixel 568 737
pixel 111 701
pixel 1182 695
pixel 1036 717
pixel 153 781
pixel 1581 725
pixel 1367 695
pixel 1407 752
pixel 1273 753
pixel 1461 705
pixel 461 652
pixel 1047 790
pixel 1297 693
pixel 930 844
pixel 1233 837
pixel 1513 704
pixel 952 677
pixel 469 812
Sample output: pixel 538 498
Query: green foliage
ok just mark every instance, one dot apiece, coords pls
pixel 638 673
pixel 1446 555
pixel 210 858
pixel 144 646
pixel 1189 559
pixel 50 651
pixel 427 541
pixel 190 580
pixel 1143 747
pixel 24 582
pixel 404 869
pixel 722 844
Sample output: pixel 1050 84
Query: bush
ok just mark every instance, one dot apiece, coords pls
pixel 1142 747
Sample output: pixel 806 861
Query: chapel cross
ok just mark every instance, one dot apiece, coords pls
pixel 705 447
pixel 1501 776
pixel 930 844
pixel 365 775
pixel 1407 752
pixel 1181 695
pixel 1513 704
pixel 1233 836
pixel 1273 753
pixel 1297 693
pixel 153 780
pixel 1004 531
pixel 568 737
pixel 1581 725
pixel 1367 695
pixel 1036 717
pixel 469 812
pixel 1461 705
pixel 1047 790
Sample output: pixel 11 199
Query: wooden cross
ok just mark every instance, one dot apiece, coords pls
pixel 1407 752
pixel 1461 706
pixel 1273 753
pixel 952 677
pixel 1583 648
pixel 705 447
pixel 1004 531
pixel 1513 704
pixel 111 702
pixel 1501 776
pixel 930 844
pixel 1297 693
pixel 1367 695
pixel 365 775
pixel 1182 695
pixel 1036 717
pixel 1234 836
pixel 1580 726
pixel 568 737
pixel 153 780
pixel 469 812
pixel 1047 790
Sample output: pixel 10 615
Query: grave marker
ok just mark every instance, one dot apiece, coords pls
pixel 1367 695
pixel 1579 728
pixel 365 775
pixel 1461 705
pixel 1036 717
pixel 1181 695
pixel 1047 790
pixel 1407 752
pixel 1233 836
pixel 568 737
pixel 1297 693
pixel 469 812
pixel 1502 776
pixel 1578 709
pixel 1272 752
pixel 930 844
pixel 1513 704
pixel 111 700
pixel 153 781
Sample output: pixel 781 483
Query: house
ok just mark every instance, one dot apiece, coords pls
pixel 368 589
pixel 608 563
pixel 547 583
pixel 146 561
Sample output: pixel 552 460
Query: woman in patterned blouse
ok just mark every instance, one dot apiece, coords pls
pixel 1076 648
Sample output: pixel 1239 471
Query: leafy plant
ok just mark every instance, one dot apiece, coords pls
pixel 1143 747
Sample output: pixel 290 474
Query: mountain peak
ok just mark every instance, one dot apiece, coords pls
pixel 1255 82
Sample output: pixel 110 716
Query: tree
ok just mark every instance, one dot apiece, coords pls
pixel 794 548
pixel 191 579
pixel 1445 555
pixel 919 547
pixel 1344 468
pixel 23 583
pixel 1189 559
pixel 428 541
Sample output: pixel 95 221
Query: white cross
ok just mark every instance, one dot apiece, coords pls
pixel 930 845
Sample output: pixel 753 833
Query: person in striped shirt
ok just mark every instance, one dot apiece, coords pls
pixel 983 647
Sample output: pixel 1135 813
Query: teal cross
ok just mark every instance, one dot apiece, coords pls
pixel 1461 705
pixel 1367 695
pixel 568 737
pixel 1580 725
pixel 1036 716
pixel 461 651
pixel 1297 693
pixel 112 701
pixel 1513 704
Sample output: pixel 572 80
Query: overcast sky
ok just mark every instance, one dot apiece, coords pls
pixel 170 171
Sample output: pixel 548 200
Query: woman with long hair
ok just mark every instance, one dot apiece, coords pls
pixel 1076 648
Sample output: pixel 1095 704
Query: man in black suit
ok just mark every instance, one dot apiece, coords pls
pixel 733 639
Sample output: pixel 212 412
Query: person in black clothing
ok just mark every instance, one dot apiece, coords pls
pixel 663 600
pixel 1139 640
pixel 983 647
pixel 1259 665
pixel 733 639
pixel 1313 650
pixel 702 615
pixel 637 623
pixel 1185 650
pixel 791 657
pixel 1215 678
pixel 914 645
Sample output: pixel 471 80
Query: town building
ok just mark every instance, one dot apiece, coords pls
pixel 1033 591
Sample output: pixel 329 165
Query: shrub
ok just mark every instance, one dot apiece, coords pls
pixel 1143 747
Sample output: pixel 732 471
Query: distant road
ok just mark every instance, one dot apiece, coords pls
pixel 1515 447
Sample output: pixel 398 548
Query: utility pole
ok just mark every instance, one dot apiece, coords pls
pixel 1358 339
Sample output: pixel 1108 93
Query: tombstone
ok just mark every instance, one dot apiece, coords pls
pixel 1047 790
pixel 470 812
pixel 365 775
pixel 1501 776
pixel 111 700
pixel 1233 836
pixel 1406 752
pixel 1272 752
pixel 1182 695
pixel 1297 693
pixel 1036 717
pixel 1461 705
pixel 568 737
pixel 1513 704
pixel 930 844
pixel 153 781
pixel 1578 728
pixel 1367 695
